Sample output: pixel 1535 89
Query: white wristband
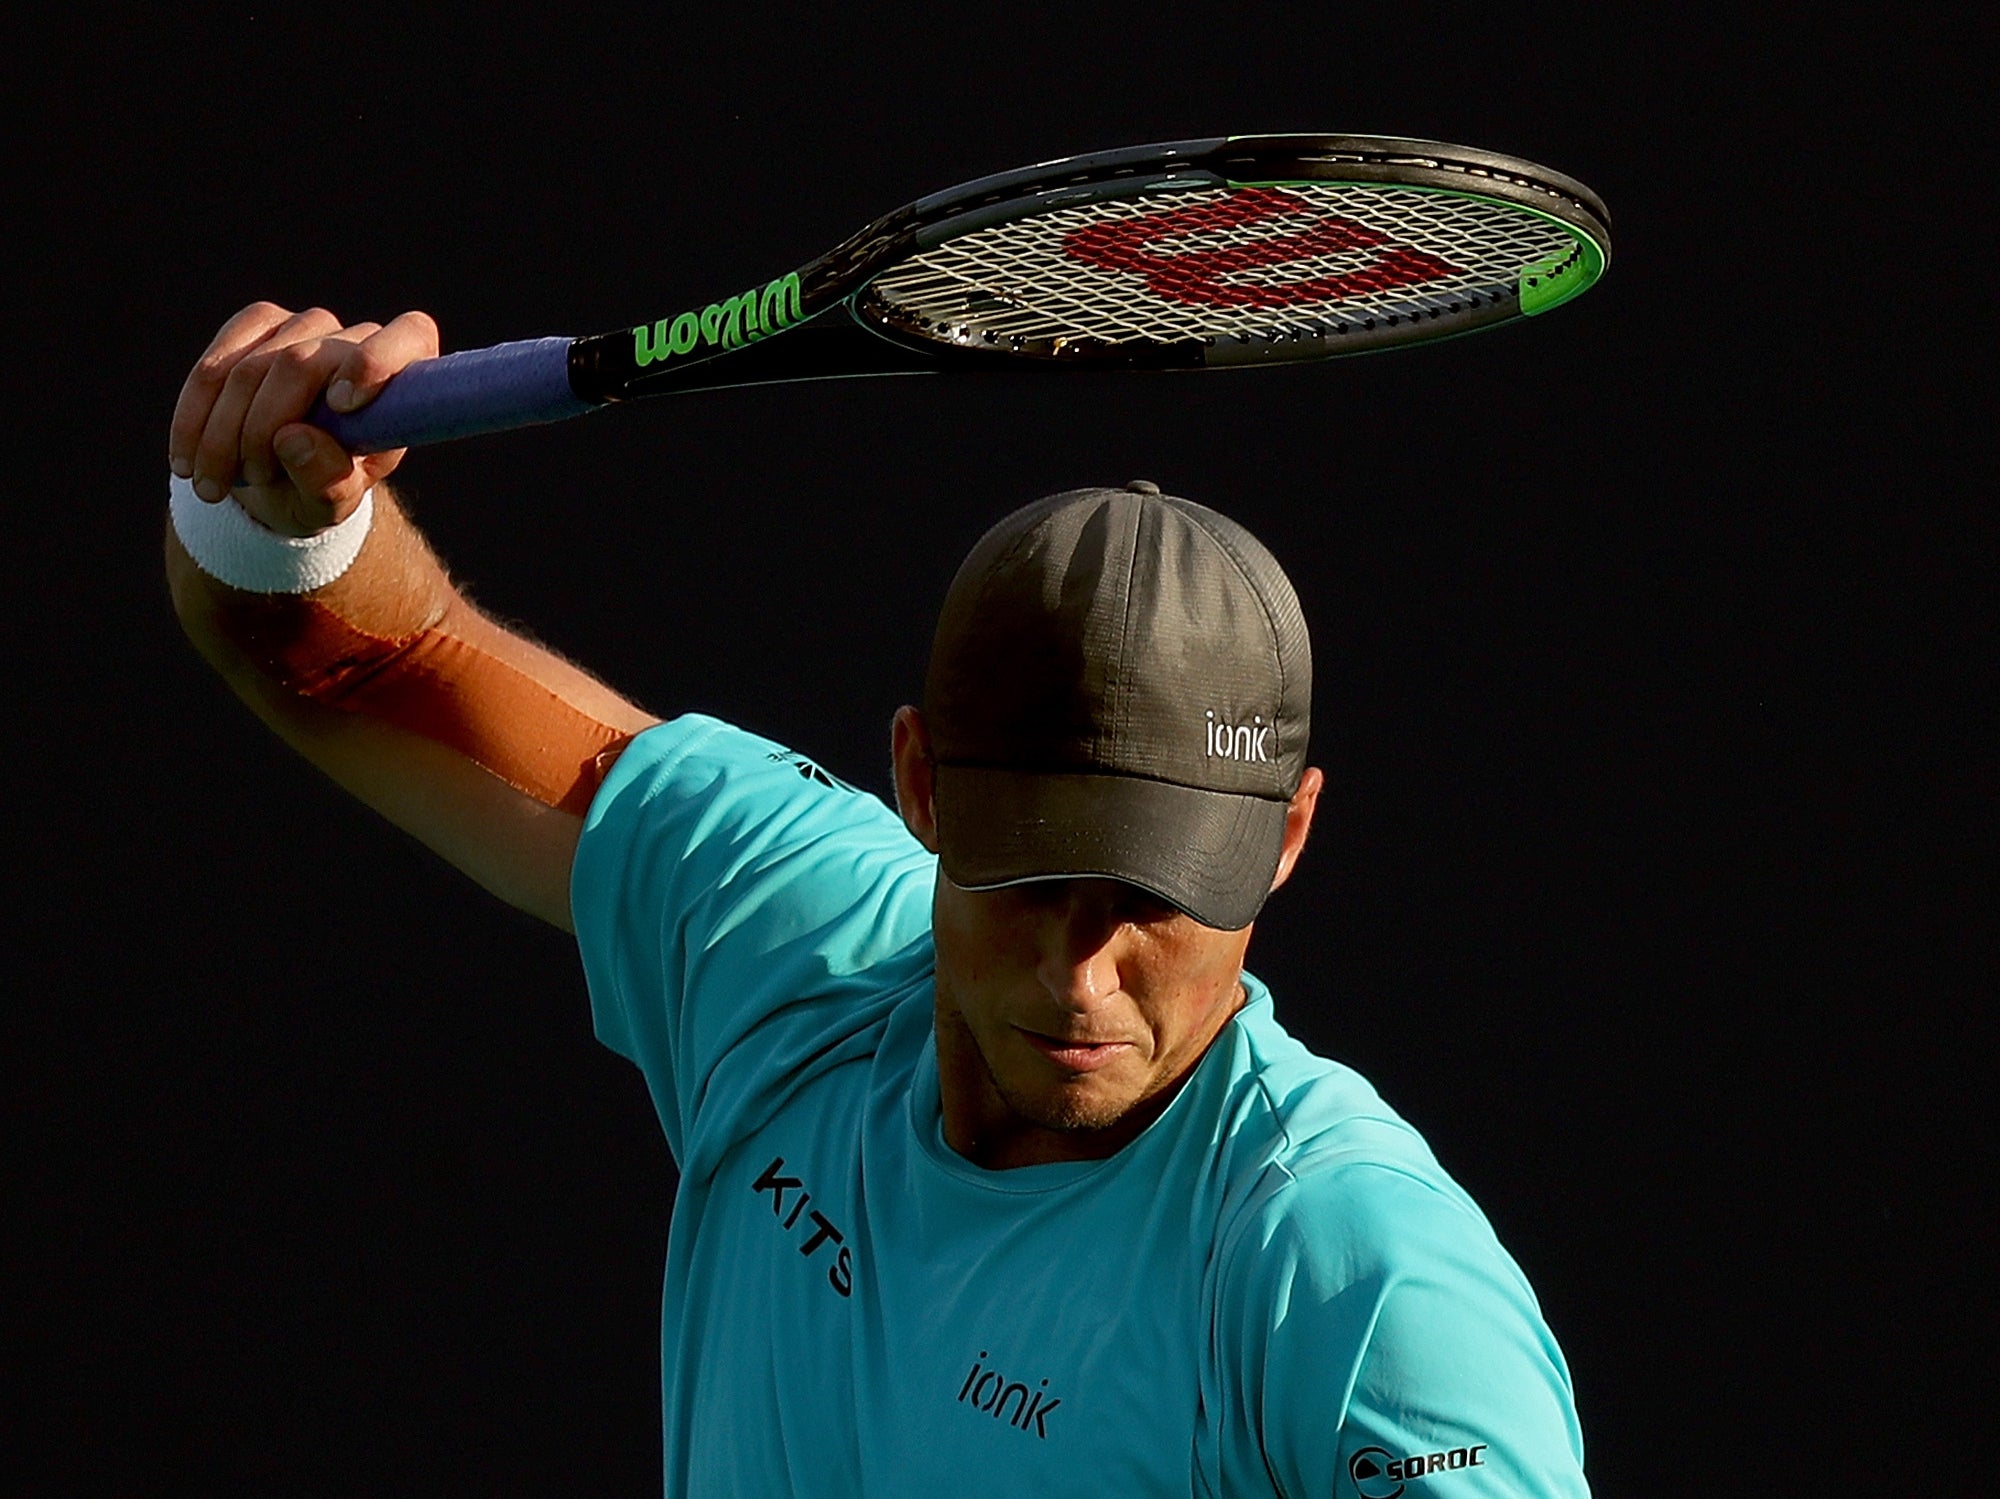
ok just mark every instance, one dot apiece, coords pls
pixel 232 548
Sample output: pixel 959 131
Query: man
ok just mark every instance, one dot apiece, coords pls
pixel 998 1175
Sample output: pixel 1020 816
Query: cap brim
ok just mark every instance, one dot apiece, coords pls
pixel 1211 853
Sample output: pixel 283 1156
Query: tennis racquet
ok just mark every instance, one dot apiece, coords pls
pixel 1211 254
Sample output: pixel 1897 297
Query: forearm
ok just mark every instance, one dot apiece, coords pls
pixel 481 743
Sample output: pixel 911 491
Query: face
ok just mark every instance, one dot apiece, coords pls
pixel 1071 1008
pixel 1068 1011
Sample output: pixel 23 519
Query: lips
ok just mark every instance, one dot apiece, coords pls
pixel 1076 1056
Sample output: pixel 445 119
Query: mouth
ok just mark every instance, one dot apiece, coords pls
pixel 1075 1056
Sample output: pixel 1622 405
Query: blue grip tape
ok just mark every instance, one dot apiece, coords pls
pixel 481 390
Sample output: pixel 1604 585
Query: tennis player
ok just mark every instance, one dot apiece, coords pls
pixel 998 1173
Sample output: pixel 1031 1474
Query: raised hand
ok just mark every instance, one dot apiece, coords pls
pixel 237 426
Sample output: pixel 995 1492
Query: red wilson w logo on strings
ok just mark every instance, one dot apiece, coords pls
pixel 1223 275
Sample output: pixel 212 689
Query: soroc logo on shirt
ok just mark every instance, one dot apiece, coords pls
pixel 1377 1475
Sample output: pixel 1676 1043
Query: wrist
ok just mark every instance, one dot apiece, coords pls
pixel 233 548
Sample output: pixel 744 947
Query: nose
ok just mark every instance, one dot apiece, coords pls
pixel 1078 959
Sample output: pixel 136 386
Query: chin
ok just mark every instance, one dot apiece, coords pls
pixel 1067 1109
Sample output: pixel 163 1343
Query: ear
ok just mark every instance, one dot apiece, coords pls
pixel 1298 823
pixel 916 775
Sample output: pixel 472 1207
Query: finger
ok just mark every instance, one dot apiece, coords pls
pixel 215 448
pixel 295 375
pixel 239 335
pixel 217 453
pixel 258 328
pixel 326 482
pixel 375 467
pixel 375 360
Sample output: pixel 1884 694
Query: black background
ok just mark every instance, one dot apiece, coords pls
pixel 1654 691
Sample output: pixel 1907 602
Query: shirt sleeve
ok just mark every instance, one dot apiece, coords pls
pixel 1392 1347
pixel 728 891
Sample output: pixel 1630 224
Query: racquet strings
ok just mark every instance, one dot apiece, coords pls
pixel 1292 261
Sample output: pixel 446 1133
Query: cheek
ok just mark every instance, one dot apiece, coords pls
pixel 1197 988
pixel 976 955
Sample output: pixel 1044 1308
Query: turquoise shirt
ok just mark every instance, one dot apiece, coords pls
pixel 1274 1289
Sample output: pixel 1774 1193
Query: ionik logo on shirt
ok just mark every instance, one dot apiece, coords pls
pixel 1010 1400
pixel 1377 1475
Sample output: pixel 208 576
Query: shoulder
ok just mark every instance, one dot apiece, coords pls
pixel 699 802
pixel 1365 1306
pixel 1310 1131
pixel 696 759
pixel 1327 1179
pixel 724 880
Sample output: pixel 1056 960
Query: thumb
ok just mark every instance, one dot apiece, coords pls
pixel 324 474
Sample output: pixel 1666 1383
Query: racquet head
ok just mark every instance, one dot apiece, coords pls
pixel 1253 250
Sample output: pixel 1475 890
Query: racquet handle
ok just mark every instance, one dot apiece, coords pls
pixel 480 390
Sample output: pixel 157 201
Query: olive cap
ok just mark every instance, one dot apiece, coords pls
pixel 1120 686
